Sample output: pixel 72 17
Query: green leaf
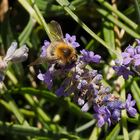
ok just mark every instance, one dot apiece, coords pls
pixel 108 15
pixel 114 133
pixel 24 36
pixel 109 36
pixel 136 93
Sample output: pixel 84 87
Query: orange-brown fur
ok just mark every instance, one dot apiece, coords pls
pixel 60 54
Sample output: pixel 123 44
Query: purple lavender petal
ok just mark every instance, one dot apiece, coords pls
pixel 71 40
pixel 89 56
pixel 116 115
pixel 47 78
pixel 122 70
pixel 137 49
pixel 129 106
pixel 60 91
pixel 81 84
pixel 40 76
pixel 138 41
pixel 86 106
pixel 130 50
pixel 44 48
pixel 102 115
pixel 126 58
pixel 136 60
pixel 115 105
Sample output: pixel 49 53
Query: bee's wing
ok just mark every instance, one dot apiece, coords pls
pixel 43 60
pixel 38 61
pixel 55 31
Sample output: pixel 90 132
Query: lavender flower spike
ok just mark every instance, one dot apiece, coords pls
pixel 13 54
pixel 85 84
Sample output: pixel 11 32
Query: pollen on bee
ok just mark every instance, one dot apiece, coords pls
pixel 63 50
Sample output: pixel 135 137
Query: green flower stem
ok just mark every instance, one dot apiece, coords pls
pixel 24 111
pixel 119 14
pixel 41 19
pixel 114 133
pixel 83 25
pixel 51 97
pixel 27 6
pixel 12 77
pixel 85 126
pixel 124 115
pixel 13 106
pixel 32 131
pixel 27 31
pixel 35 105
pixel 136 134
pixel 27 112
pixel 37 108
pixel 15 110
pixel 136 93
pixel 95 133
pixel 137 9
pixel 5 104
pixel 109 34
pixel 108 16
pixel 133 120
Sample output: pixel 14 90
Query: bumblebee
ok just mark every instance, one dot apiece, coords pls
pixel 59 52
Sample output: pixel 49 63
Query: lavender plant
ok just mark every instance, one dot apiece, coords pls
pixel 80 102
pixel 86 86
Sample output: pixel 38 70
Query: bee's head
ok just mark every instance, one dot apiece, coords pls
pixel 66 54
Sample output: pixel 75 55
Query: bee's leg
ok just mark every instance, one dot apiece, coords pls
pixel 57 66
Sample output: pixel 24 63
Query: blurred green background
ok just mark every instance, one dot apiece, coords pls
pixel 27 109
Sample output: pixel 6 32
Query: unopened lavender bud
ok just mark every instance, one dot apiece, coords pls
pixel 116 115
pixel 107 89
pixel 102 90
pixel 137 50
pixel 97 78
pixel 10 51
pixel 86 106
pixel 138 41
pixel 118 62
pixel 93 73
pixel 20 54
pixel 81 101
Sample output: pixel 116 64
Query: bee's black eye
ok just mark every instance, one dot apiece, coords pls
pixel 66 52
